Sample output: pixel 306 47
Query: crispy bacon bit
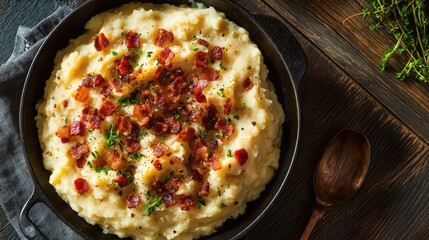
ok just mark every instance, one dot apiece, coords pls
pixel 179 85
pixel 89 110
pixel 200 97
pixel 164 38
pixel 186 134
pixel 221 124
pixel 173 184
pixel 95 122
pixel 174 160
pixel 122 181
pixel 132 146
pixel 227 106
pixel 168 200
pixel 213 147
pixel 132 40
pixel 201 60
pixel 196 176
pixel 205 188
pixel 101 42
pixel 241 156
pixel 105 90
pixel 165 57
pixel 159 72
pixel 92 81
pixel 247 84
pixel 99 162
pixel 124 125
pixel 157 164
pixel 65 104
pixel 181 109
pixel 77 128
pixel 123 66
pixel 202 42
pixel 186 203
pixel 228 131
pixel 175 127
pixel 82 94
pixel 79 152
pixel 200 85
pixel 216 53
pixel 158 187
pixel 158 151
pixel 212 117
pixel 81 185
pixel 108 108
pixel 142 114
pixel 210 74
pixel 215 163
pixel 194 112
pixel 160 129
pixel 64 133
pixel 133 200
pixel 116 160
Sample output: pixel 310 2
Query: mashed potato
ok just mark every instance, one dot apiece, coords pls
pixel 159 122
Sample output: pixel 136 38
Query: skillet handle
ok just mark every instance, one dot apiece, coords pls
pixel 27 227
pixel 288 46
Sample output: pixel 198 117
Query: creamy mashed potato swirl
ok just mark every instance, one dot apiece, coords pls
pixel 159 122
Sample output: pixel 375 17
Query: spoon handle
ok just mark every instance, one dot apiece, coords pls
pixel 318 213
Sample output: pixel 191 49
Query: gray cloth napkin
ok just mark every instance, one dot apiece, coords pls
pixel 15 180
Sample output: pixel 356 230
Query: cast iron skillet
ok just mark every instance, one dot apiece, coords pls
pixel 283 56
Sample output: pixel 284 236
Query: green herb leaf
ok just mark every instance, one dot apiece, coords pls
pixel 220 93
pixel 104 169
pixel 150 208
pixel 201 202
pixel 112 136
pixel 114 53
pixel 229 154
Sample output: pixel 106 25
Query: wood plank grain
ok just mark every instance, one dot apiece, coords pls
pixel 357 51
pixel 392 203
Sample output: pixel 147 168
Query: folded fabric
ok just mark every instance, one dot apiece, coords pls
pixel 15 179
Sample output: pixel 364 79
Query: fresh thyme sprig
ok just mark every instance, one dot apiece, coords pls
pixel 408 21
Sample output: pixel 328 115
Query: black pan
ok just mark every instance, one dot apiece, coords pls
pixel 283 56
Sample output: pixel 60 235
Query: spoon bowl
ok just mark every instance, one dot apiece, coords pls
pixel 340 173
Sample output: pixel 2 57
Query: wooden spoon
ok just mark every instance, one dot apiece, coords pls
pixel 339 174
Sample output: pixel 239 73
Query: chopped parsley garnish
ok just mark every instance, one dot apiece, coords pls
pixel 114 53
pixel 196 49
pixel 202 133
pixel 112 136
pixel 201 202
pixel 222 67
pixel 89 164
pixel 136 156
pixel 104 169
pixel 220 93
pixel 228 119
pixel 130 100
pixel 147 195
pixel 176 116
pixel 149 54
pixel 222 205
pixel 94 154
pixel 150 208
pixel 236 117
pixel 66 121
pixel 143 134
pixel 229 154
pixel 223 133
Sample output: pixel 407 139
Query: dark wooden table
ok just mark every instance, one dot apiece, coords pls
pixel 341 89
